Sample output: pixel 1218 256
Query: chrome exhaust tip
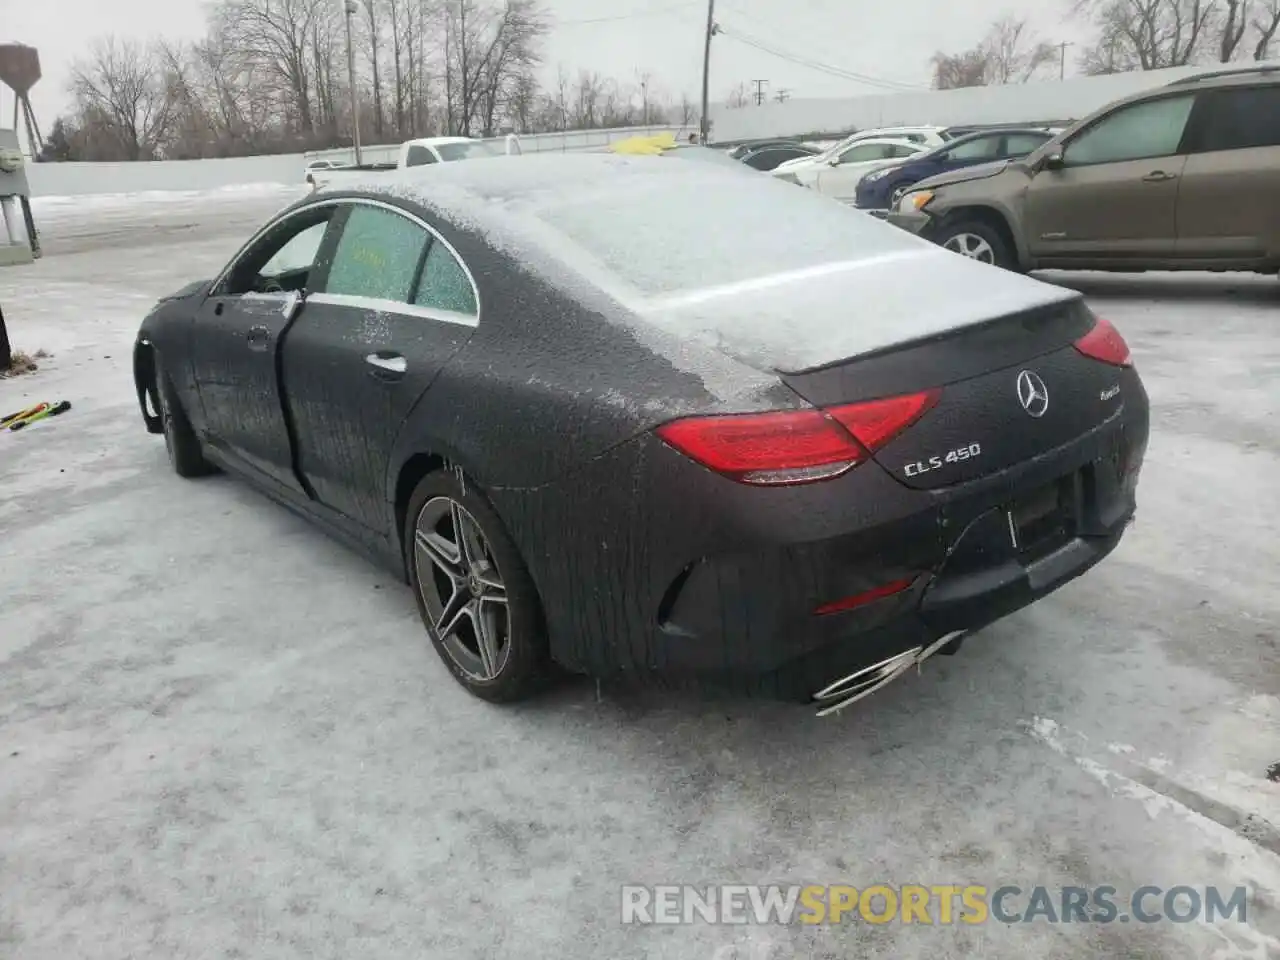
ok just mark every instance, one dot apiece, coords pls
pixel 849 690
pixel 944 641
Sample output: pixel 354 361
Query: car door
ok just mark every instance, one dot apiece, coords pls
pixel 237 336
pixel 1229 200
pixel 1115 190
pixel 396 304
pixel 841 180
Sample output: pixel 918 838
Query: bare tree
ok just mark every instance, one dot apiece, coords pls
pixel 1008 53
pixel 1232 29
pixel 1145 34
pixel 374 24
pixel 967 69
pixel 687 111
pixel 586 100
pixel 1267 24
pixel 738 97
pixel 121 87
pixel 279 37
pixel 1014 55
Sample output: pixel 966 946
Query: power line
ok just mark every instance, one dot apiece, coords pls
pixel 818 65
pixel 634 15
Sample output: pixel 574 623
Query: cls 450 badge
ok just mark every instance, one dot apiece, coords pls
pixel 958 455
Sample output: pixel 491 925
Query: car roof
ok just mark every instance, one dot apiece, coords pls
pixel 436 141
pixel 1003 131
pixel 891 141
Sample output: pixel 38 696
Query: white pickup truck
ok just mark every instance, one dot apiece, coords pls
pixel 413 153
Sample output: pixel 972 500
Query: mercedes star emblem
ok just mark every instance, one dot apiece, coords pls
pixel 1032 394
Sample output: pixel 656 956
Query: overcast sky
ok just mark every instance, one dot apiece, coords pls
pixel 888 42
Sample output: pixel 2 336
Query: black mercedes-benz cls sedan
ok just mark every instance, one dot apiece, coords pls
pixel 640 417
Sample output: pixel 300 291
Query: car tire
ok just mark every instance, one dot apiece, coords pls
pixel 977 240
pixel 513 663
pixel 180 440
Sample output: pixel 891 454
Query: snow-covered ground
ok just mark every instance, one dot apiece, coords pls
pixel 223 735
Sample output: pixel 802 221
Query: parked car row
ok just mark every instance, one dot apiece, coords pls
pixel 1182 177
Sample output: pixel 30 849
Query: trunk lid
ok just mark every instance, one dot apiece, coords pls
pixel 1011 389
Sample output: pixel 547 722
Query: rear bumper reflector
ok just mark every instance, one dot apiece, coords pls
pixel 861 599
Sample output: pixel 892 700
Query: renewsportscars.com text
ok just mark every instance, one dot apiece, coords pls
pixel 940 904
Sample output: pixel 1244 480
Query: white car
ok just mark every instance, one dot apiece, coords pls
pixel 414 153
pixel 837 176
pixel 928 137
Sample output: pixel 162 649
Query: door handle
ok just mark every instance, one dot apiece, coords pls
pixel 1159 176
pixel 387 366
pixel 218 308
pixel 258 337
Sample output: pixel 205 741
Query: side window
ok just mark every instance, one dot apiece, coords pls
pixel 915 137
pixel 1018 145
pixel 444 284
pixel 283 259
pixel 768 159
pixel 419 156
pixel 298 253
pixel 984 148
pixel 863 151
pixel 377 255
pixel 903 151
pixel 1150 129
pixel 1240 119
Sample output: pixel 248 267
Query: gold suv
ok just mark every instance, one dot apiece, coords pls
pixel 1182 177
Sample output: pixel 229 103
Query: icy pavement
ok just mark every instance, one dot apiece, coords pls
pixel 223 735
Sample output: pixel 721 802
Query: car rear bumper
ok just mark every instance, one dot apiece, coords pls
pixel 684 574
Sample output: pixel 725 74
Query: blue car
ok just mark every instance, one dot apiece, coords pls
pixel 877 192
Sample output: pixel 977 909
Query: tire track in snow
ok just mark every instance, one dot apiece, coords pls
pixel 1248 844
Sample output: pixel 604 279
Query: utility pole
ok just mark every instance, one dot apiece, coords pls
pixel 783 95
pixel 351 6
pixel 1062 58
pixel 759 91
pixel 704 122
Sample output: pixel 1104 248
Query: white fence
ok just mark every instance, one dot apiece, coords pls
pixel 568 141
pixel 1055 101
pixel 90 179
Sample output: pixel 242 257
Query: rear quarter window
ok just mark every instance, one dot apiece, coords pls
pixel 1242 119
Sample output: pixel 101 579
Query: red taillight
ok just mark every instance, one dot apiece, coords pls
pixel 861 599
pixel 794 446
pixel 877 422
pixel 1104 343
pixel 791 446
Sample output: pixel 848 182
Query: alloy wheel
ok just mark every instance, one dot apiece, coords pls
pixel 462 589
pixel 972 246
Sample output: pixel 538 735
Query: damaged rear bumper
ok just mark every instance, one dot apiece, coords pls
pixel 758 610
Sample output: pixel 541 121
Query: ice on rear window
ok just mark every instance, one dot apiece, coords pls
pixel 666 235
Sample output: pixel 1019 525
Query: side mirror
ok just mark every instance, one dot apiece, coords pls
pixel 1054 161
pixel 833 162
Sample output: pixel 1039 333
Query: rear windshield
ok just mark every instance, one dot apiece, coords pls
pixel 466 151
pixel 666 236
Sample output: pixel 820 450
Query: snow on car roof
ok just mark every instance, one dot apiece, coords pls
pixel 774 275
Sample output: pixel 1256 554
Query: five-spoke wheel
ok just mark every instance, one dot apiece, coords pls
pixel 474 592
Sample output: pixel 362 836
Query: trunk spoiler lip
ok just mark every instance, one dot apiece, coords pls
pixel 1046 311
